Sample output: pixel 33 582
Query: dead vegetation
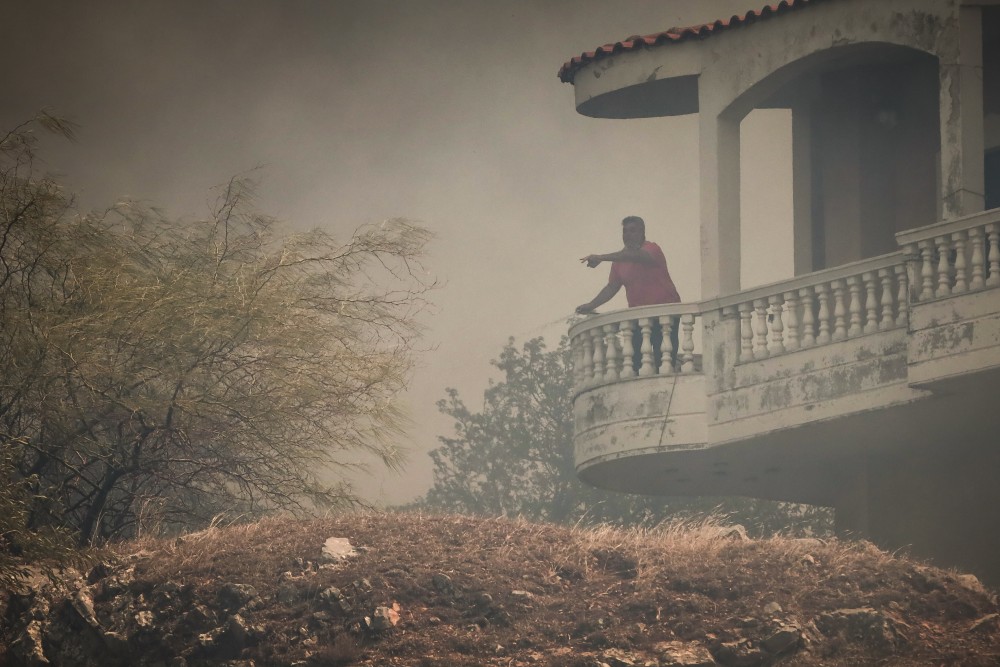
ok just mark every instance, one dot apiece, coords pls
pixel 427 590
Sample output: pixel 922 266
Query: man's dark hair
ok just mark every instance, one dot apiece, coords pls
pixel 635 220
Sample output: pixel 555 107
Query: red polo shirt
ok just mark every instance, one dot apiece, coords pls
pixel 645 284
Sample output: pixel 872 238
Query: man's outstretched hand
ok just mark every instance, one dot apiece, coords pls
pixel 585 309
pixel 591 260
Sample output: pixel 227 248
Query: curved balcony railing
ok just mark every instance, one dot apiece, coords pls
pixel 811 311
pixel 819 308
pixel 636 343
pixel 954 257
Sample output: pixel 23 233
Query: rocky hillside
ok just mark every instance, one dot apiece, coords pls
pixel 422 591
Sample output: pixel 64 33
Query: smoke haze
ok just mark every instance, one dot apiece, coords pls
pixel 444 112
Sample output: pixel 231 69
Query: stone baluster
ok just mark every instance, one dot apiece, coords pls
pixel 667 346
pixel 871 302
pixel 887 321
pixel 993 238
pixel 839 310
pixel 611 373
pixel 958 247
pixel 578 361
pixel 911 257
pixel 977 259
pixel 760 329
pixel 808 318
pixel 587 370
pixel 777 325
pixel 926 271
pixel 902 299
pixel 746 332
pixel 943 267
pixel 854 308
pixel 823 296
pixel 628 349
pixel 687 343
pixel 791 321
pixel 597 340
pixel 646 349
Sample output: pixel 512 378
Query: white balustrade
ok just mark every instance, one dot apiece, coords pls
pixel 667 351
pixel 687 342
pixel 955 257
pixel 635 343
pixel 746 332
pixel 611 372
pixel 860 299
pixel 821 308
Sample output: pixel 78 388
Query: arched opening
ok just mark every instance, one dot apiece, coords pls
pixel 862 144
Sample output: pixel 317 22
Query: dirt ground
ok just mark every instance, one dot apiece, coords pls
pixel 428 591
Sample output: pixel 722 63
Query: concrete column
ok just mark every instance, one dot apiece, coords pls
pixel 961 96
pixel 720 204
pixel 802 199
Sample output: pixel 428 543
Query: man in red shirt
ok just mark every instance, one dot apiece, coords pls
pixel 642 269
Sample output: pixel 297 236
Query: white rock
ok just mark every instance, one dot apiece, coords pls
pixel 337 550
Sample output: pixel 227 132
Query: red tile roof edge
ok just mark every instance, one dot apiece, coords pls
pixel 568 71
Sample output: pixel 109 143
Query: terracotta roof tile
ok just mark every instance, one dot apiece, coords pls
pixel 636 42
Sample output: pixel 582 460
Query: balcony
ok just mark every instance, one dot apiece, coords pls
pixel 777 392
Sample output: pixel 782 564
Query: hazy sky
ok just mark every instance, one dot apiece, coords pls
pixel 447 112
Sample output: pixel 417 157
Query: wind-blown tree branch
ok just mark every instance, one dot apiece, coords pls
pixel 515 458
pixel 157 369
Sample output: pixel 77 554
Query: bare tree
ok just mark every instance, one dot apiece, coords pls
pixel 155 370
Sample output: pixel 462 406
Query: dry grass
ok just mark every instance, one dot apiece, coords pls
pixel 499 592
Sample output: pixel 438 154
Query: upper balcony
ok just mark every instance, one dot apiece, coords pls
pixel 775 389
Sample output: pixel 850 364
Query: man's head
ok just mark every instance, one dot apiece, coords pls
pixel 633 232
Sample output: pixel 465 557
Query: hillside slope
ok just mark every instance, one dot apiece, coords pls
pixel 426 591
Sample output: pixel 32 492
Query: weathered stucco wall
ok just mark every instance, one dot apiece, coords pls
pixel 642 415
pixel 954 337
pixel 831 382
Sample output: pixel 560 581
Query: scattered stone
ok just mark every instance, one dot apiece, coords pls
pixel 772 608
pixel 987 622
pixel 83 605
pixel 336 550
pixel 28 647
pixel 684 654
pixel 971 582
pixel 322 617
pixel 864 624
pixel 739 654
pixel 200 615
pixel 234 597
pixel 736 532
pixel 144 620
pixel 786 638
pixel 619 658
pixel 808 559
pixel 384 618
pixel 522 596
pixel 334 599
